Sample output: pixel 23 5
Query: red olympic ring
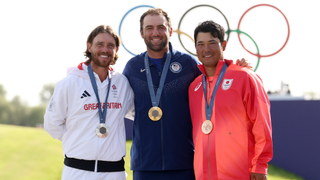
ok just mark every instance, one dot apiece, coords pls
pixel 258 55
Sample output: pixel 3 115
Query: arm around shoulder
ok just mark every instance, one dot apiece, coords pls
pixel 130 100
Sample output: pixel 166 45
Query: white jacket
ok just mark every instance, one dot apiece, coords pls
pixel 72 115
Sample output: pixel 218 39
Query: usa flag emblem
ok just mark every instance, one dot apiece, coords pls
pixel 175 67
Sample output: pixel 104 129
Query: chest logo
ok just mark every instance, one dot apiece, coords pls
pixel 142 70
pixel 114 91
pixel 226 84
pixel 198 86
pixel 85 94
pixel 175 67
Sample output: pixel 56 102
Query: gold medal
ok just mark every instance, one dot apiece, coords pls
pixel 207 126
pixel 155 113
pixel 102 130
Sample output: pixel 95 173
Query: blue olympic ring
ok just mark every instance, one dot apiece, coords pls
pixel 122 21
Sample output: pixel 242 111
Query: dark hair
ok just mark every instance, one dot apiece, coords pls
pixel 215 29
pixel 155 11
pixel 94 33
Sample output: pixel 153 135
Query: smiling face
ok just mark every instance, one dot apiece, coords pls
pixel 209 49
pixel 156 33
pixel 103 49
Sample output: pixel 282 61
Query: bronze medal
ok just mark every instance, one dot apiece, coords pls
pixel 155 113
pixel 207 127
pixel 102 130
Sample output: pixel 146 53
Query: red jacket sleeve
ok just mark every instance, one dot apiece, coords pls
pixel 258 111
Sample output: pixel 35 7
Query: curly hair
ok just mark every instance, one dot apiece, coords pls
pixel 215 29
pixel 94 33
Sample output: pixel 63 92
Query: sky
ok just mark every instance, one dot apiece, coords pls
pixel 40 39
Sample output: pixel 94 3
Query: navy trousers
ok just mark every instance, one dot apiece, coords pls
pixel 164 175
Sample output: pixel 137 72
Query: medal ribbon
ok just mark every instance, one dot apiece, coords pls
pixel 156 99
pixel 102 115
pixel 209 108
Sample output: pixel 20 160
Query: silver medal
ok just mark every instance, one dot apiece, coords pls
pixel 102 130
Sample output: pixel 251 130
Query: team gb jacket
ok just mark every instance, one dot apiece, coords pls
pixel 72 115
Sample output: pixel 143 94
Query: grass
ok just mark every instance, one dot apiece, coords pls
pixel 30 153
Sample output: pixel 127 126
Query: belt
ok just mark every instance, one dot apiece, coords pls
pixel 89 165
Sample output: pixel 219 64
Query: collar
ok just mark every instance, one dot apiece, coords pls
pixel 219 66
pixel 81 67
pixel 173 52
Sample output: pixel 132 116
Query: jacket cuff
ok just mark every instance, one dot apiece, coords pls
pixel 261 169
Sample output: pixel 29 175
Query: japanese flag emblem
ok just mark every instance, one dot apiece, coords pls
pixel 226 84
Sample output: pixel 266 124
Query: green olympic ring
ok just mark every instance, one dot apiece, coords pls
pixel 228 32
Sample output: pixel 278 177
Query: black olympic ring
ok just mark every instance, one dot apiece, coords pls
pixel 179 32
pixel 228 31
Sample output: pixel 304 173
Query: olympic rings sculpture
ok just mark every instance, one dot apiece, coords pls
pixel 179 32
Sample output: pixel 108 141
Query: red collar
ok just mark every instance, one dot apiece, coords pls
pixel 80 66
pixel 219 66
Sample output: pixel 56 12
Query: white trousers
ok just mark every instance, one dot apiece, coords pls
pixel 69 173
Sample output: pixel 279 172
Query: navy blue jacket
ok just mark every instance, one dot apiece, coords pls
pixel 165 144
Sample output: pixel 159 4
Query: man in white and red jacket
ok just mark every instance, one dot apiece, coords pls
pixel 94 144
pixel 230 114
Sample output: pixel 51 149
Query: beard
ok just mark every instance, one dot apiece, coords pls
pixel 156 48
pixel 94 58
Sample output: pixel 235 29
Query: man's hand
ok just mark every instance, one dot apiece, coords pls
pixel 256 176
pixel 244 63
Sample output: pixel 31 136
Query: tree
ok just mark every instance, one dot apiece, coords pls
pixel 35 116
pixel 46 93
pixel 4 107
pixel 19 111
pixel 3 92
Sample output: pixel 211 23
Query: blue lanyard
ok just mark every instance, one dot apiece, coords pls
pixel 209 108
pixel 156 99
pixel 103 115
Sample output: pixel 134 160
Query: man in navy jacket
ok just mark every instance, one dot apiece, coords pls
pixel 162 146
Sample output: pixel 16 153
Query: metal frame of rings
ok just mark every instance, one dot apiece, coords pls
pixel 259 56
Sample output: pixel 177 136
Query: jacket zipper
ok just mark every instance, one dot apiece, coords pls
pixel 163 164
pixel 98 145
pixel 162 146
pixel 208 159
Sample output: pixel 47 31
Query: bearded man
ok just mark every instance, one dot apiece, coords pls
pixel 87 110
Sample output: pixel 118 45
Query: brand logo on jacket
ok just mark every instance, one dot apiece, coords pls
pixel 198 86
pixel 226 84
pixel 175 67
pixel 142 70
pixel 85 94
